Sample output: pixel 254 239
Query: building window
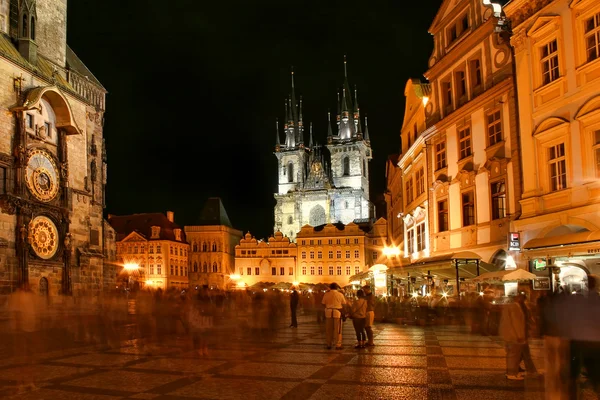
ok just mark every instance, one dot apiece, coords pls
pixel 159 269
pixel 304 255
pixel 180 252
pixel 312 255
pixel 592 37
pixel 339 269
pixel 440 155
pixel 494 127
pixel 291 271
pixel 303 270
pixel 205 269
pixel 410 240
pixel 330 270
pixel 356 241
pixel 48 129
pixel 356 254
pixel 170 249
pixel 330 241
pixel 195 266
pixel 442 216
pixel 347 241
pixel 204 246
pixel 421 237
pixel 461 84
pixel 312 242
pixel 468 208
pixel 312 269
pixel 558 167
pixel 447 94
pixel 375 255
pixel 330 254
pixel 596 150
pixel 151 267
pixel 357 269
pixel 29 120
pixel 338 241
pixel 498 200
pixel 549 61
pixel 273 271
pixel 339 254
pixel 319 255
pixel 346 171
pixel 476 76
pixel 409 190
pixel 2 180
pixel 320 270
pixel 464 142
pixel 256 271
pixel 420 180
pixel 347 270
pixel 214 246
pixel 290 220
pixel 290 174
pixel 347 253
pixel 172 272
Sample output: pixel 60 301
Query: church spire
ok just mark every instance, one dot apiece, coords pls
pixel 277 142
pixel 329 132
pixel 310 140
pixel 367 130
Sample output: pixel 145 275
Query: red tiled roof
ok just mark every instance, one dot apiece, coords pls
pixel 142 224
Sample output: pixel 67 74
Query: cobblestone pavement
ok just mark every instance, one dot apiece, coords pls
pixel 406 363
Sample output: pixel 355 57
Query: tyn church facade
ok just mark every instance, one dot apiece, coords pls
pixel 322 184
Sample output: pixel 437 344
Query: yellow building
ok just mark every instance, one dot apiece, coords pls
pixel 460 169
pixel 265 261
pixel 212 243
pixel 557 54
pixel 152 249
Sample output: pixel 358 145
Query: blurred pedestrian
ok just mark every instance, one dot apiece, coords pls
pixel 334 302
pixel 358 313
pixel 514 331
pixel 294 300
pixel 370 318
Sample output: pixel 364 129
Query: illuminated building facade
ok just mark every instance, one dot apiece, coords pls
pixel 460 184
pixel 212 247
pixel 154 249
pixel 322 184
pixel 52 156
pixel 557 55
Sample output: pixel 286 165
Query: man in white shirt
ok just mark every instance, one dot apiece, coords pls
pixel 334 302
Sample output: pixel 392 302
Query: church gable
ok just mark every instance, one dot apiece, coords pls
pixel 134 237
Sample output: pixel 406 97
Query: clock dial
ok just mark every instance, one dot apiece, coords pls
pixel 44 237
pixel 41 175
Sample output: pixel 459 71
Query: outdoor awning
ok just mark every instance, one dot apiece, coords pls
pixel 444 266
pixel 563 240
pixel 514 275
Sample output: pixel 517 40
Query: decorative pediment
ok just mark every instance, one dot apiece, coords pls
pixel 494 167
pixel 134 237
pixel 419 214
pixel 590 109
pixel 409 220
pixel 544 25
pixel 265 263
pixel 465 178
pixel 440 188
pixel 549 124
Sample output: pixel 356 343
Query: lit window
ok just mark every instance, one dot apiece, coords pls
pixel 339 269
pixel 356 269
pixel 347 253
pixel 409 190
pixel 356 254
pixel 375 255
pixel 498 200
pixel 319 254
pixel 347 270
pixel 447 94
pixel 304 255
pixel 151 267
pixel 159 270
pixel 303 270
pixel 312 255
pixel 320 270
pixel 420 180
pixel 339 254
pixel 273 271
pixel 549 61
pixel 410 241
pixel 312 269
pixel 257 271
pixel 291 271
pixel 468 208
pixel 442 215
pixel 494 128
pixel 330 254
pixel 440 155
pixel 347 241
pixel 464 141
pixel 558 168
pixel 421 237
pixel 592 37
pixel 330 270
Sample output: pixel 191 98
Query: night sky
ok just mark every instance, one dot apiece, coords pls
pixel 195 88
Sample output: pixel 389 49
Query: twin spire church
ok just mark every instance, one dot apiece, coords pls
pixel 322 184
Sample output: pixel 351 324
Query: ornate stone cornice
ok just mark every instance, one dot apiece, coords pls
pixel 521 12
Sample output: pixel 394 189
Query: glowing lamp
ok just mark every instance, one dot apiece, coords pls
pixel 130 267
pixel 234 277
pixel 149 282
pixel 415 295
pixel 296 283
pixel 391 251
pixel 425 100
pixel 481 293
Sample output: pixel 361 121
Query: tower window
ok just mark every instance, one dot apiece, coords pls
pixel 32 28
pixel 346 162
pixel 290 172
pixel 364 168
pixel 25 31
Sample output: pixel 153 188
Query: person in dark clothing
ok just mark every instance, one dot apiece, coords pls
pixel 370 314
pixel 294 300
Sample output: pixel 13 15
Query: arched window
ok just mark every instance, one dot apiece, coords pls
pixel 195 246
pixel 214 267
pixel 214 246
pixel 346 162
pixel 290 172
pixel 195 266
pixel 204 268
pixel 25 31
pixel 290 219
pixel 204 246
pixel 32 28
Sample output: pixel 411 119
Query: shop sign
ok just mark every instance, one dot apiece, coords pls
pixel 541 283
pixel 514 241
pixel 539 263
pixel 380 280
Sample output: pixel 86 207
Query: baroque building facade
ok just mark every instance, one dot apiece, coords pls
pixel 557 55
pixel 460 161
pixel 322 184
pixel 212 247
pixel 52 156
pixel 151 250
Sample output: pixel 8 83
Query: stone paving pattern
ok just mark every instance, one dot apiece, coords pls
pixel 407 363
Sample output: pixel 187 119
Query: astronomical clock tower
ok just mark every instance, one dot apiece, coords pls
pixel 52 157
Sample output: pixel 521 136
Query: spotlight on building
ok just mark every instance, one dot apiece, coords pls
pixel 131 267
pixel 391 251
pixel 234 277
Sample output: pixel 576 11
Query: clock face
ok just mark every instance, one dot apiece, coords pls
pixel 41 175
pixel 44 237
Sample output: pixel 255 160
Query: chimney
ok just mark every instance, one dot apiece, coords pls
pixel 171 216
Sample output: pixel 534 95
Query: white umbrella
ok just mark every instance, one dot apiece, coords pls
pixel 505 276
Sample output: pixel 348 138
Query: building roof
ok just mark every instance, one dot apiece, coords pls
pixel 142 224
pixel 213 213
pixel 75 63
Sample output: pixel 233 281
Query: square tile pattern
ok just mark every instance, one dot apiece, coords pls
pixel 406 363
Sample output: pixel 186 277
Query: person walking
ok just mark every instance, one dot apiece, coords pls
pixel 513 330
pixel 334 302
pixel 358 313
pixel 294 300
pixel 370 318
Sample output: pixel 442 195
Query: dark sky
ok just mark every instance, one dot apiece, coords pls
pixel 195 87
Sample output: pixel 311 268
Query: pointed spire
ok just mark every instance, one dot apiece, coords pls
pixel 345 67
pixel 277 142
pixel 300 123
pixel 339 107
pixel 356 109
pixel 329 132
pixel 310 140
pixel 366 130
pixel 293 102
pixel 285 125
